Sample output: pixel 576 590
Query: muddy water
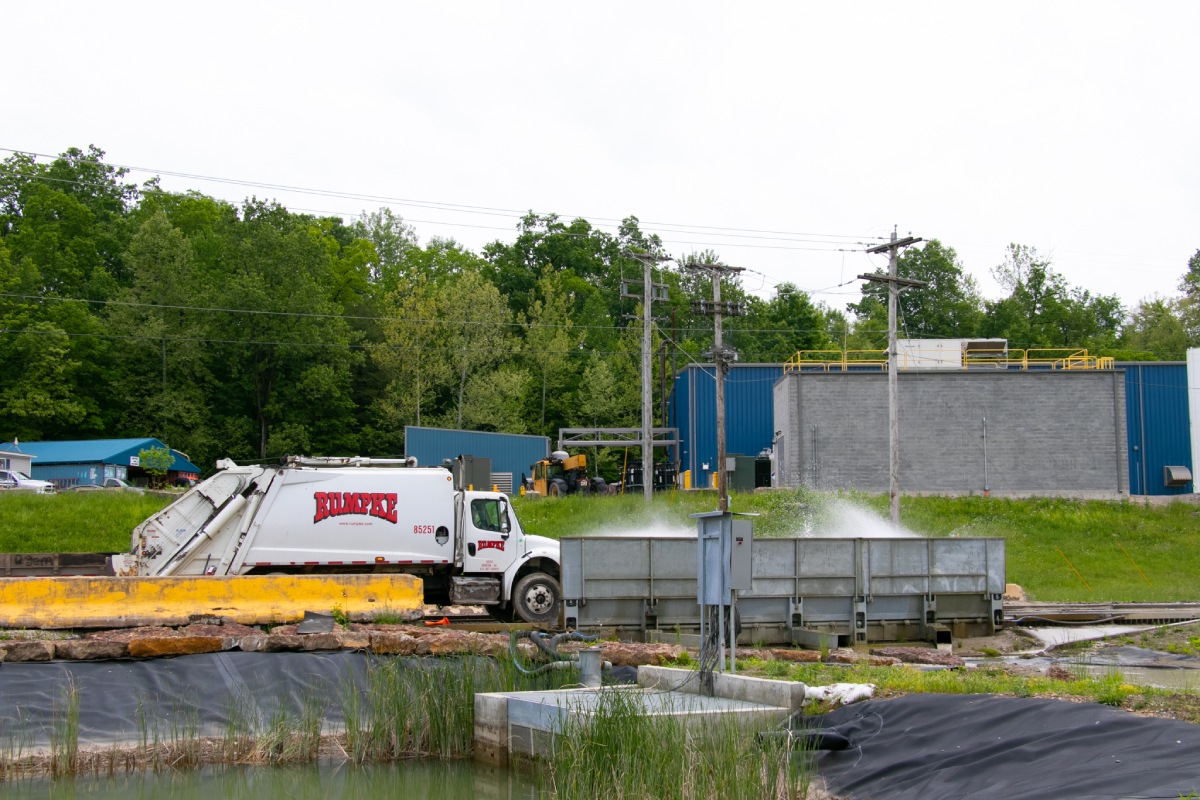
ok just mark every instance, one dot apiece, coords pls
pixel 446 780
pixel 1158 677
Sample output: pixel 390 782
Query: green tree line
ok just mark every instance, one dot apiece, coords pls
pixel 252 331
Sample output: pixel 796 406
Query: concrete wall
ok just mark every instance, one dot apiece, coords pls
pixel 1048 433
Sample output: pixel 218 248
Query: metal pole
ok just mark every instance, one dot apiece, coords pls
pixel 894 282
pixel 647 385
pixel 986 488
pixel 719 362
pixel 893 394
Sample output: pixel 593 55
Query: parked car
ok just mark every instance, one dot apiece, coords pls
pixel 19 481
pixel 110 484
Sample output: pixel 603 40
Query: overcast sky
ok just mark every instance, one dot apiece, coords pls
pixel 799 130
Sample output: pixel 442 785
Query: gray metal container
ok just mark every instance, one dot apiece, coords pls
pixel 803 589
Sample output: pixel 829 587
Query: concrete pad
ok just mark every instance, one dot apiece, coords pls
pixel 1060 635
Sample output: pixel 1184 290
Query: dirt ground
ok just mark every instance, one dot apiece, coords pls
pixel 1006 642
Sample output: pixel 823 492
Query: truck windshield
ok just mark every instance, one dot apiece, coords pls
pixel 487 515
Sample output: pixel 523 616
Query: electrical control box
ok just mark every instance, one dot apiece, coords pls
pixel 724 556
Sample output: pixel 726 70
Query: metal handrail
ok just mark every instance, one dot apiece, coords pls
pixel 1053 358
pixel 841 360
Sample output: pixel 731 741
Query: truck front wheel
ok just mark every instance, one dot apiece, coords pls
pixel 536 598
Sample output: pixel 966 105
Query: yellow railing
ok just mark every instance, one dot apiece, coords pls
pixel 1044 358
pixel 836 361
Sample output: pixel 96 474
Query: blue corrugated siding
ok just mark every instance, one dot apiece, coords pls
pixel 509 452
pixel 1156 414
pixel 749 414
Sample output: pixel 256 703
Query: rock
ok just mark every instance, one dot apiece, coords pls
pixel 320 641
pixel 90 650
pixel 354 639
pixel 1013 591
pixel 253 644
pixel 847 656
pixel 633 654
pixel 18 650
pixel 393 644
pixel 129 634
pixel 919 655
pixel 282 643
pixel 804 656
pixel 453 643
pixel 1058 673
pixel 175 646
pixel 228 630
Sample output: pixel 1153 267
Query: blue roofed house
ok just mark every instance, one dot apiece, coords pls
pixel 77 463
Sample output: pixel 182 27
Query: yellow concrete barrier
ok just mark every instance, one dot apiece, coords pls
pixel 87 602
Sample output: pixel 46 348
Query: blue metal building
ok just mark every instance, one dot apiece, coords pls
pixel 1156 415
pixel 77 463
pixel 749 414
pixel 510 453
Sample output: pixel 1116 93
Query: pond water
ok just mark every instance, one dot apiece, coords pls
pixel 412 780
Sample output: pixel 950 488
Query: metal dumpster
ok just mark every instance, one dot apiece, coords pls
pixel 855 589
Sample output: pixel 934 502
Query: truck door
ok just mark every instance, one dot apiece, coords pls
pixel 488 543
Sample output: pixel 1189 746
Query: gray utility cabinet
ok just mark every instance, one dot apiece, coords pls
pixel 803 590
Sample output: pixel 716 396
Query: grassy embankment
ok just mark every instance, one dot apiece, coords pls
pixel 73 522
pixel 1116 551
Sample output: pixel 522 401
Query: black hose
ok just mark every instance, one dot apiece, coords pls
pixel 537 637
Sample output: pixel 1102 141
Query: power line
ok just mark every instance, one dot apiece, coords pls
pixel 684 228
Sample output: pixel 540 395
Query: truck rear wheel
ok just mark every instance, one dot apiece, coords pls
pixel 557 487
pixel 536 598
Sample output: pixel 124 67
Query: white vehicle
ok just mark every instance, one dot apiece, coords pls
pixel 353 515
pixel 11 479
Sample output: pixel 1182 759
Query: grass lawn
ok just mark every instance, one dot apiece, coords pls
pixel 73 522
pixel 1058 550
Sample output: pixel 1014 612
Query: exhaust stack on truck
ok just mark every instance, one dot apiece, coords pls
pixel 354 515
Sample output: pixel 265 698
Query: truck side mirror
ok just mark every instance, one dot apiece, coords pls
pixel 503 518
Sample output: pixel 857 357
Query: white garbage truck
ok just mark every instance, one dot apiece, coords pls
pixel 354 515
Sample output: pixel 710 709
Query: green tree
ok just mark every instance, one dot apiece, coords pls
pixel 156 461
pixel 496 400
pixel 284 322
pixel 948 307
pixel 1042 311
pixel 1155 331
pixel 1190 306
pixel 776 329
pixel 474 331
pixel 551 345
pixel 395 244
pixel 163 374
pixel 409 358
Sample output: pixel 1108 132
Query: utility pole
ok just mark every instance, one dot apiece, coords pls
pixel 894 282
pixel 649 291
pixel 722 357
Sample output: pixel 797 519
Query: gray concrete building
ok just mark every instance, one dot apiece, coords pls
pixel 1005 432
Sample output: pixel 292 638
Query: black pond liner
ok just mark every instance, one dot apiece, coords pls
pixel 118 700
pixel 121 700
pixel 981 746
